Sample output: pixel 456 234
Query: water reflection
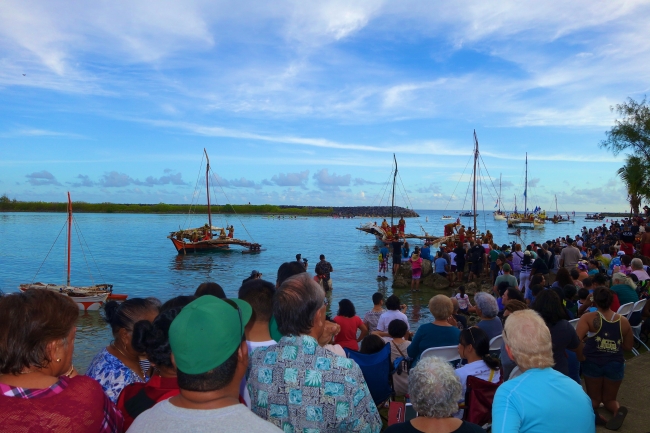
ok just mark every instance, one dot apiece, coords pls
pixel 93 333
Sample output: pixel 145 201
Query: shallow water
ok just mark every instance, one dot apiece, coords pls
pixel 133 253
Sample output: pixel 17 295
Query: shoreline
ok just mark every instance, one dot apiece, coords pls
pixel 245 209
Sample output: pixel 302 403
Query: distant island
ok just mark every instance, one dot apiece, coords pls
pixel 8 205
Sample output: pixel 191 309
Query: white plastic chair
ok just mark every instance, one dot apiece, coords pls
pixel 495 343
pixel 574 323
pixel 636 330
pixel 625 309
pixel 448 353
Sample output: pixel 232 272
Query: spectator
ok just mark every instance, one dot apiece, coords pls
pixel 487 310
pixel 371 318
pixel 259 295
pixel 607 335
pixel 118 364
pixel 153 340
pixel 399 348
pixel 624 288
pixel 289 382
pixel 434 390
pixel 562 278
pixel 40 390
pixel 441 265
pixel 463 300
pixel 323 270
pixel 505 277
pixel 208 346
pixel 395 310
pixel 563 336
pixel 349 322
pixel 372 344
pixel 443 331
pixel 416 271
pixel 570 256
pixel 474 346
pixel 461 320
pixel 524 274
pixel 287 270
pixel 507 364
pixel 210 288
pixel 540 399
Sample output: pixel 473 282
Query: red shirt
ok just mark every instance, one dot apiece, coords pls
pixel 348 335
pixel 138 397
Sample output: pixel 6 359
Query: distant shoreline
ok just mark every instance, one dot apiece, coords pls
pixel 245 209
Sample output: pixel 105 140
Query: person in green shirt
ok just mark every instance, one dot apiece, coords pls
pixel 624 288
pixel 507 276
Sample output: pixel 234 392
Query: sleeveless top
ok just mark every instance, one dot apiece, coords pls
pixel 604 346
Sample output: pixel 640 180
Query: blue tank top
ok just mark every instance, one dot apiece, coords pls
pixel 605 345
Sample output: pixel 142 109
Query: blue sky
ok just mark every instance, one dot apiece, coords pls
pixel 305 102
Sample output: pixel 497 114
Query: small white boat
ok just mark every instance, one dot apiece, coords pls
pixel 447 217
pixel 87 298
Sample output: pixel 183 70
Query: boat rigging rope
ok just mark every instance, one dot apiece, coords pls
pixel 82 250
pixel 383 194
pixel 231 206
pixel 89 251
pixel 482 203
pixel 458 183
pixel 188 218
pixel 48 253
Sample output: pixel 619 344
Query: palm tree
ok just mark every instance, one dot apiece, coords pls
pixel 634 173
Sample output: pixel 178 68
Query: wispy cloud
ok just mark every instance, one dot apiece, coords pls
pixel 42 178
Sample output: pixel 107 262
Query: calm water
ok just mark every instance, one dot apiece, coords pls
pixel 132 253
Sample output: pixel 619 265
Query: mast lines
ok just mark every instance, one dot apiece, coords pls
pixel 69 234
pixel 392 206
pixel 474 182
pixel 207 187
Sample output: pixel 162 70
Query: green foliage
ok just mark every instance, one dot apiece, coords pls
pixel 632 131
pixel 635 175
pixel 160 208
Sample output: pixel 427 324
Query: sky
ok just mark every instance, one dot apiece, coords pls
pixel 306 102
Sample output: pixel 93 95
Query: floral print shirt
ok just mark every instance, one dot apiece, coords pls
pixel 302 388
pixel 111 374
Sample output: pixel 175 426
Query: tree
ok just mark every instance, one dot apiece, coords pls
pixel 632 131
pixel 634 174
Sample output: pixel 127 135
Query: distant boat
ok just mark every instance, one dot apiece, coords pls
pixel 87 298
pixel 447 217
pixel 498 214
pixel 534 220
pixel 209 237
pixel 594 216
pixel 468 214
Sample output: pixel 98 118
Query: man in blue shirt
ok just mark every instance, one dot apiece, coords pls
pixel 441 265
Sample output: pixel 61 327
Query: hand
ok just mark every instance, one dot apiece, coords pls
pixel 330 329
pixel 452 321
pixel 403 308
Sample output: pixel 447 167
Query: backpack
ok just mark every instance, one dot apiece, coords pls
pixel 381 257
pixel 403 363
pixel 479 398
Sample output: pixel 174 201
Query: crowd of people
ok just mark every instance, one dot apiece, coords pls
pixel 273 359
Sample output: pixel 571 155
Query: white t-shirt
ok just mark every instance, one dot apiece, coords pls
pixel 452 256
pixel 463 302
pixel 389 316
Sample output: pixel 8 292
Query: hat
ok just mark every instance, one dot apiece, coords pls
pixel 582 266
pixel 620 253
pixel 506 268
pixel 415 256
pixel 207 332
pixel 526 253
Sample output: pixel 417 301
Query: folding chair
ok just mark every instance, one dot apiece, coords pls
pixel 377 370
pixel 636 330
pixel 625 309
pixel 448 353
pixel 574 323
pixel 478 401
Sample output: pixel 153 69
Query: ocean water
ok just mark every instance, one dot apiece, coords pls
pixel 132 252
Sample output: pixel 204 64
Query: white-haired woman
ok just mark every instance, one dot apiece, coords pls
pixel 624 288
pixel 638 270
pixel 541 399
pixel 435 390
pixel 487 309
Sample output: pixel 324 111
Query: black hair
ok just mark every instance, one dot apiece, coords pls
pixel 535 289
pixel 322 257
pixel 461 289
pixel 479 340
pixel 397 328
pixel 588 282
pixel 124 315
pixel 213 380
pixel 549 305
pixel 210 288
pixel 377 298
pixel 372 344
pixel 259 294
pixel 570 291
pixel 603 297
pixel 502 287
pixel 626 260
pixel 600 279
pixel 575 274
pixel 536 279
pixel 392 303
pixel 153 338
pixel 583 293
pixel 527 259
pixel 288 269
pixel 178 301
pixel 346 308
pixel 514 293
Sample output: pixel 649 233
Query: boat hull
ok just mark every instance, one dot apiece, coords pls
pixel 499 217
pixel 195 247
pixel 84 302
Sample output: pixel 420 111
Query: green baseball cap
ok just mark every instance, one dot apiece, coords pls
pixel 207 332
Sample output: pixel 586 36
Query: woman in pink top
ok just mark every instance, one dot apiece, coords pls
pixel 349 322
pixel 416 268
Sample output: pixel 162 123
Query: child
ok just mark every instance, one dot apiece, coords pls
pixel 416 271
pixel 383 265
pixel 463 301
pixel 570 293
pixel 397 329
